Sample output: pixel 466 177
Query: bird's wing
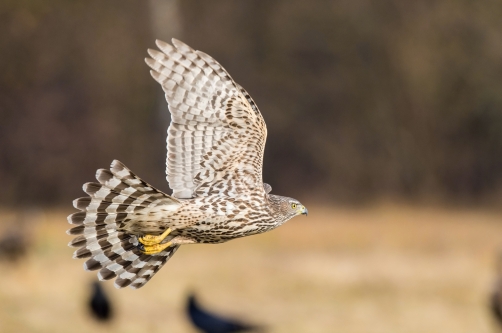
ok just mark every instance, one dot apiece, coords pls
pixel 217 135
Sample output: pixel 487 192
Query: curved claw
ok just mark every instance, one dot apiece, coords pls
pixel 152 240
pixel 153 249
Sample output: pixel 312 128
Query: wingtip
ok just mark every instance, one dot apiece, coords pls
pixel 152 64
pixel 180 46
pixel 156 76
pixel 116 163
pixel 119 169
pixel 152 52
pixel 160 43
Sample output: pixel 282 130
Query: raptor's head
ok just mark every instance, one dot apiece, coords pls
pixel 296 208
pixel 287 208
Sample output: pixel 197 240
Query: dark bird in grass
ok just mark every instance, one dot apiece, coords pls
pixel 13 245
pixel 99 303
pixel 496 305
pixel 17 237
pixel 496 295
pixel 211 323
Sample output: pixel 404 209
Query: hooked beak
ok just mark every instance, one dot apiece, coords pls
pixel 304 211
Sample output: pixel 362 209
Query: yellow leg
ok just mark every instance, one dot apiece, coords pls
pixel 156 248
pixel 153 240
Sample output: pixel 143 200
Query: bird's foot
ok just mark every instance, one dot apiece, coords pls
pixel 152 244
pixel 156 248
pixel 153 240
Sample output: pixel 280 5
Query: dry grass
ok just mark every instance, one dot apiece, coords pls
pixel 382 269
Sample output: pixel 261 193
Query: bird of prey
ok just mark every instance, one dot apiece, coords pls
pixel 129 229
pixel 211 323
pixel 99 304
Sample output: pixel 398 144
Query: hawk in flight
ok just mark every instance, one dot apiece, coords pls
pixel 128 229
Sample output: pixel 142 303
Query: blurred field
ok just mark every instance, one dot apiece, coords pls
pixel 376 269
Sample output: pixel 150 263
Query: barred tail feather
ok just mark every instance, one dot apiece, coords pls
pixel 119 197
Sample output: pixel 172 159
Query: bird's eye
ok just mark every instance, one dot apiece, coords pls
pixel 293 205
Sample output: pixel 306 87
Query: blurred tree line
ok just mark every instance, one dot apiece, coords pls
pixel 362 98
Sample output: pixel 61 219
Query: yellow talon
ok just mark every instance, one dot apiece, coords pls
pixel 152 249
pixel 152 240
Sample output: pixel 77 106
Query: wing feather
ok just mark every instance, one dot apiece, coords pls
pixel 217 135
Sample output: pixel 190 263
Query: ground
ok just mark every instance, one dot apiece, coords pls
pixel 385 269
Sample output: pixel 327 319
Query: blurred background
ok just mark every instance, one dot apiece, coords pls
pixel 384 118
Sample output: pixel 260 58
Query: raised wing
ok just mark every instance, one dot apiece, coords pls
pixel 217 135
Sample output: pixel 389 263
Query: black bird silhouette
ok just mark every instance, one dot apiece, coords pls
pixel 496 295
pixel 211 323
pixel 13 245
pixel 496 304
pixel 17 237
pixel 99 304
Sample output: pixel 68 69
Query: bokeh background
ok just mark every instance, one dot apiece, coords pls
pixel 384 118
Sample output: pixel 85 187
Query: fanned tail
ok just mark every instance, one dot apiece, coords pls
pixel 119 197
